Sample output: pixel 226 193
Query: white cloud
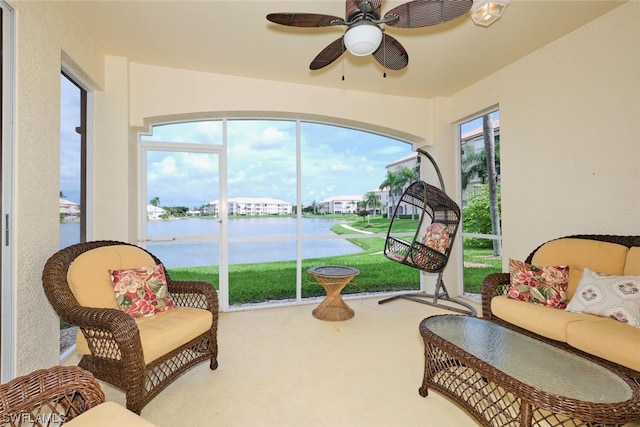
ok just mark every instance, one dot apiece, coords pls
pixel 261 160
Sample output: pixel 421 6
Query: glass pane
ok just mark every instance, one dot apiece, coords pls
pixel 261 203
pixel 204 132
pixel 180 187
pixel 481 181
pixel 70 163
pixel 342 172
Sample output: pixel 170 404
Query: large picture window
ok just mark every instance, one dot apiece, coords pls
pixel 283 196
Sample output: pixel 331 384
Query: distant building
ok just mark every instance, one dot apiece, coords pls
pixel 474 138
pixel 340 205
pixel 68 207
pixel 409 161
pixel 154 212
pixel 251 206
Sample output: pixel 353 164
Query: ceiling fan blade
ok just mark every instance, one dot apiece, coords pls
pixel 391 54
pixel 304 19
pixel 328 55
pixel 423 13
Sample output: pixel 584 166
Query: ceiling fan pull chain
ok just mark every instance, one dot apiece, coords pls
pixel 384 53
pixel 342 63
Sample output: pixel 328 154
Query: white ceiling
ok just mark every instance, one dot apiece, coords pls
pixel 233 37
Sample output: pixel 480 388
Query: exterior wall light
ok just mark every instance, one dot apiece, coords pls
pixel 486 12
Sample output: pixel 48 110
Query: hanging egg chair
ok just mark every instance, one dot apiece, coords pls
pixel 429 246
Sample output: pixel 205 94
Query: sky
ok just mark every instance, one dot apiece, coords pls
pixel 261 162
pixel 69 141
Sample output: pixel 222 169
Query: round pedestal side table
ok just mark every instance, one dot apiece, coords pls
pixel 333 279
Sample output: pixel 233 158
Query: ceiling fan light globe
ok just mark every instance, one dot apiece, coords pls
pixel 363 39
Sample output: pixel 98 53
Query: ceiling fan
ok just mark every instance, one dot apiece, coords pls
pixel 365 35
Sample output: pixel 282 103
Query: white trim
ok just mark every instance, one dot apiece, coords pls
pixel 8 321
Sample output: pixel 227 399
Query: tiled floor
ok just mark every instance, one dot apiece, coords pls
pixel 282 367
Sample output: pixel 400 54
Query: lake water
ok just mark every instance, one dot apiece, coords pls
pixel 185 254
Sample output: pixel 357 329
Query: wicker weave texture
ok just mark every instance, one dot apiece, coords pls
pixel 48 397
pixel 498 284
pixel 431 204
pixel 494 398
pixel 333 307
pixel 113 338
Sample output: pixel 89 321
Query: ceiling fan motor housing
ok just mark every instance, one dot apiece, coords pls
pixel 361 10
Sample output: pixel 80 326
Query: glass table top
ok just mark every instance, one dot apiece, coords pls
pixel 531 361
pixel 333 271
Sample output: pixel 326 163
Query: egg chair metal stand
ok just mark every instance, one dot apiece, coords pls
pixel 429 247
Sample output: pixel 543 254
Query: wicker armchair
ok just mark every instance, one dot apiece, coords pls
pixel 48 396
pixel 113 344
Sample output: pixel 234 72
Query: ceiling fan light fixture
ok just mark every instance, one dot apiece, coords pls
pixel 363 39
pixel 486 12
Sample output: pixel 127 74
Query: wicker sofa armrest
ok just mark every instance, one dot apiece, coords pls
pixel 193 294
pixel 493 285
pixel 48 396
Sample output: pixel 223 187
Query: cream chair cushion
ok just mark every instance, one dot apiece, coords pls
pixel 608 339
pixel 164 332
pixel 578 254
pixel 632 265
pixel 89 278
pixel 546 321
pixel 108 414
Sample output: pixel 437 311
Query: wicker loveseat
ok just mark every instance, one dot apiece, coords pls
pixel 603 339
pixel 59 395
pixel 142 355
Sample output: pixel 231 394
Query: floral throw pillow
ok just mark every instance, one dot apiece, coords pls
pixel 617 297
pixel 436 236
pixel 141 291
pixel 539 285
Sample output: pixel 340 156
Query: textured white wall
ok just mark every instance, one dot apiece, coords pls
pixel 159 91
pixel 113 166
pixel 570 133
pixel 41 33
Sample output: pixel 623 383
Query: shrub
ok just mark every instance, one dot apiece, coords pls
pixel 476 217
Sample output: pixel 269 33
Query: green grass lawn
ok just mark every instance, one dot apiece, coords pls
pixel 258 282
pixel 478 264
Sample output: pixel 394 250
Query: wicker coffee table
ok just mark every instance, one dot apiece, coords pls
pixel 504 378
pixel 333 279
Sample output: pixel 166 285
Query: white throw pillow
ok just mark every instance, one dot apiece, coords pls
pixel 617 297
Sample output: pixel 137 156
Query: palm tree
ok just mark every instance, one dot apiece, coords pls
pixel 475 164
pixel 155 201
pixel 407 176
pixel 394 182
pixel 492 178
pixel 371 200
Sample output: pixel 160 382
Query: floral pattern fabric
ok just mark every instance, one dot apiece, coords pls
pixel 617 297
pixel 539 285
pixel 141 291
pixel 437 237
